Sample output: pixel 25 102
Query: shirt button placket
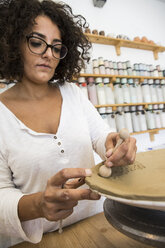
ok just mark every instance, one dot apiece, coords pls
pixel 59 143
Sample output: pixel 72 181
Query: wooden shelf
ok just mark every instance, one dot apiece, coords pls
pixel 156 130
pixel 113 77
pixel 114 106
pixel 118 43
pixel 151 132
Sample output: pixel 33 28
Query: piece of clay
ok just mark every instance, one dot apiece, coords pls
pixel 105 171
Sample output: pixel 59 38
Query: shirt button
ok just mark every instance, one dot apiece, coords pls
pixel 55 137
pixel 59 143
pixel 62 151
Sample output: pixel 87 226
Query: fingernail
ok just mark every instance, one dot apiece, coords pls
pixel 109 164
pixel 88 172
pixel 109 152
pixel 94 196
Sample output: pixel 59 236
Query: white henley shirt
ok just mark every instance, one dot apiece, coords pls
pixel 28 159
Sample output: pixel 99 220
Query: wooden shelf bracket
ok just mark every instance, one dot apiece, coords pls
pixel 156 54
pixel 117 47
pixel 152 135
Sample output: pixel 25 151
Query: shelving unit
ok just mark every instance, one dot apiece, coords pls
pixel 118 43
pixel 144 104
pixel 113 77
pixel 114 106
pixel 151 132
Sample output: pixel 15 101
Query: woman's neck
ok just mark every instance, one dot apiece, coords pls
pixel 33 91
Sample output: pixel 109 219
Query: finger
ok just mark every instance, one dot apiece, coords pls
pixel 65 205
pixel 131 154
pixel 75 183
pixel 120 152
pixel 109 152
pixel 62 214
pixel 128 156
pixel 63 175
pixel 111 141
pixel 61 195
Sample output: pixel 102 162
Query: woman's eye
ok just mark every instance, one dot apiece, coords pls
pixel 35 43
pixel 56 50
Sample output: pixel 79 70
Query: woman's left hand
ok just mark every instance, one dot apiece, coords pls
pixel 125 153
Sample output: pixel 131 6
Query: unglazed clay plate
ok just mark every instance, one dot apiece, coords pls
pixel 140 184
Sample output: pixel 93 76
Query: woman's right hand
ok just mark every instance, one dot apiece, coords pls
pixel 61 196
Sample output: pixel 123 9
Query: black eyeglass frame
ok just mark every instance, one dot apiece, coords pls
pixel 47 46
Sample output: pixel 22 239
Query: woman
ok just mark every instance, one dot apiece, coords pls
pixel 48 127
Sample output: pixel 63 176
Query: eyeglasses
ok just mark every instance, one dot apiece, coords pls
pixel 40 46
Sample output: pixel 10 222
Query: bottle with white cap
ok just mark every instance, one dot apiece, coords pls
pixel 95 63
pixel 89 67
pixel 157 119
pixel 108 94
pixel 101 69
pixel 153 93
pixel 120 123
pixel 159 90
pixel 100 91
pixel 135 119
pixel 83 85
pixel 150 119
pixel 100 61
pixel 162 117
pixel 128 119
pixel 108 91
pixel 111 117
pixel 138 91
pixel 92 92
pixel 142 121
pixel 163 88
pixel 146 91
pixel 104 117
pixel 132 90
pixel 118 92
pixel 125 91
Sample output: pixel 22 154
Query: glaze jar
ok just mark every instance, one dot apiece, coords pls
pixel 92 92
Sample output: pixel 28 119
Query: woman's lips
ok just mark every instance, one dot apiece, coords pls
pixel 44 66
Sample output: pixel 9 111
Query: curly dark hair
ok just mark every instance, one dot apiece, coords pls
pixel 17 17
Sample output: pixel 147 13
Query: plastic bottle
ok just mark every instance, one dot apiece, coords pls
pixel 120 123
pixel 153 93
pixel 125 91
pixel 146 91
pixel 135 121
pixel 118 92
pixel 128 119
pixel 159 91
pixel 132 91
pixel 83 85
pixel 111 117
pixel 142 121
pixel 100 91
pixel 92 92
pixel 138 91
pixel 150 119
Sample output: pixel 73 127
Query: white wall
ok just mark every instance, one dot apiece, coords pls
pixel 132 18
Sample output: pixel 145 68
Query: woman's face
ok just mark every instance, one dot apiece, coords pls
pixel 41 68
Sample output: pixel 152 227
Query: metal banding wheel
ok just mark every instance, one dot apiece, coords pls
pixel 144 225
